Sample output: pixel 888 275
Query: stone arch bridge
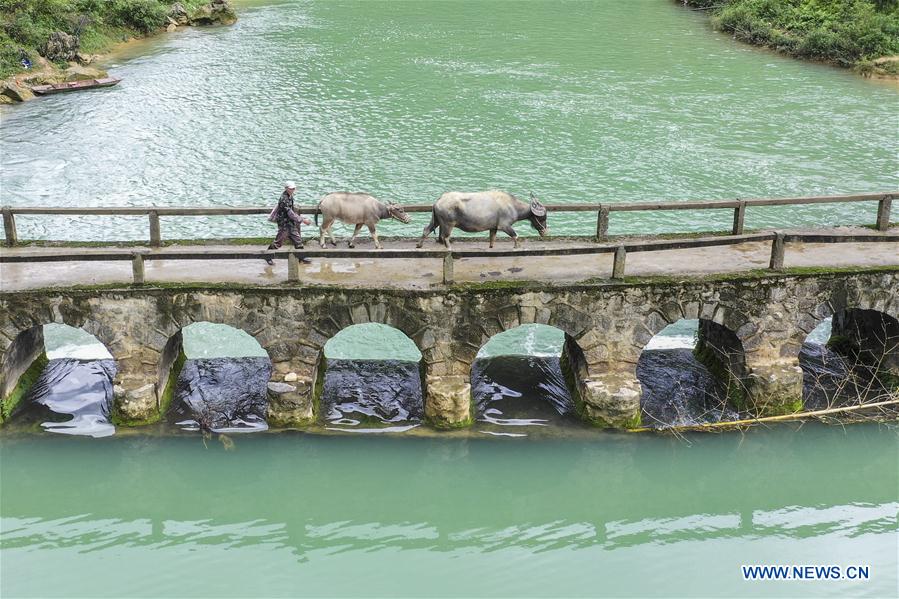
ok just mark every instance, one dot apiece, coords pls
pixel 754 324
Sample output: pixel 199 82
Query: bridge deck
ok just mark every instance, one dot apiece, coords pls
pixel 421 273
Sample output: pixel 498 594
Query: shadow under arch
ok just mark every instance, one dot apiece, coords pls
pixel 851 357
pixel 214 376
pixel 370 374
pixel 527 375
pixel 60 377
pixel 678 384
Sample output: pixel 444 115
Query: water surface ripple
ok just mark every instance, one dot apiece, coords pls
pixel 594 100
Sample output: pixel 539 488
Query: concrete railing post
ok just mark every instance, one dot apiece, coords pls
pixel 883 213
pixel 602 223
pixel 777 252
pixel 739 217
pixel 155 235
pixel 448 276
pixel 137 268
pixel 618 264
pixel 9 226
pixel 293 267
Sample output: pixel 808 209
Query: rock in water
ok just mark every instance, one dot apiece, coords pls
pixel 217 12
pixel 16 92
pixel 60 46
pixel 223 394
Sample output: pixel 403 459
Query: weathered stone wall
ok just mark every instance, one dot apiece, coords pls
pixel 609 323
pixel 27 347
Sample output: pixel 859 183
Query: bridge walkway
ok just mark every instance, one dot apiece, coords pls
pixel 426 272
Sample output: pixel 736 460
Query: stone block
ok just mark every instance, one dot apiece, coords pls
pixel 290 404
pixel 611 400
pixel 448 401
pixel 775 388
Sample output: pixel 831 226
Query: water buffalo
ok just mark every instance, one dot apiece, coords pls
pixel 356 209
pixel 483 211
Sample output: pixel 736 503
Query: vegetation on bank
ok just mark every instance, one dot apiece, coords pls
pixel 26 25
pixel 862 34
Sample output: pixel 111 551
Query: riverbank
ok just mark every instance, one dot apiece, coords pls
pixel 56 41
pixel 859 34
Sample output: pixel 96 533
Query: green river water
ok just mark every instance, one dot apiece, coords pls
pixel 577 101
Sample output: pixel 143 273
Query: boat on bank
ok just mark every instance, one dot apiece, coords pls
pixel 56 88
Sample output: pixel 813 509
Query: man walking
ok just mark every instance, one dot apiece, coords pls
pixel 289 223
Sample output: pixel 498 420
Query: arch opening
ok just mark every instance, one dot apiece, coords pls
pixel 65 381
pixel 214 377
pixel 370 380
pixel 526 377
pixel 690 373
pixel 851 358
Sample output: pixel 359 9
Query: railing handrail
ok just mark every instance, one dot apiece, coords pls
pixel 602 210
pixel 563 207
pixel 138 256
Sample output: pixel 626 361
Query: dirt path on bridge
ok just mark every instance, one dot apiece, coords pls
pixel 422 273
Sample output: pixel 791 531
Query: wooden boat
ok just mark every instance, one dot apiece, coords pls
pixel 56 88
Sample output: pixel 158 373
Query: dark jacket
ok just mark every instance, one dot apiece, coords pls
pixel 286 215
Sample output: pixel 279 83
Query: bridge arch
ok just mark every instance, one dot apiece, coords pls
pixel 541 360
pixel 27 354
pixel 370 373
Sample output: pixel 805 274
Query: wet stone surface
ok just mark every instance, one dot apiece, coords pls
pixel 360 393
pixel 72 397
pixel 513 394
pixel 222 395
pixel 678 390
pixel 831 380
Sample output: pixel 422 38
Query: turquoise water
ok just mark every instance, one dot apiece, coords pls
pixel 299 515
pixel 577 101
pixel 371 341
pixel 587 101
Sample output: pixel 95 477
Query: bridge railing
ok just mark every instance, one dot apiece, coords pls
pixel 620 251
pixel 603 211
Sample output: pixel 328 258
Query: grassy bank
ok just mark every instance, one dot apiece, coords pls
pixel 861 34
pixel 25 25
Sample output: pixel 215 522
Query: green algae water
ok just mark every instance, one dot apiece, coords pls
pixel 578 102
pixel 300 515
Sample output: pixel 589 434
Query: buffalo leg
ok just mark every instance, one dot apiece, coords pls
pixel 325 229
pixel 492 236
pixel 445 235
pixel 429 228
pixel 331 233
pixel 508 230
pixel 355 232
pixel 374 235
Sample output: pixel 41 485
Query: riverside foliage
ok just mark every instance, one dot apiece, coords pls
pixel 849 33
pixel 25 25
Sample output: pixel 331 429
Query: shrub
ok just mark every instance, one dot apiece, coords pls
pixel 141 15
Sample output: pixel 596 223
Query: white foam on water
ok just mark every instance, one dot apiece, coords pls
pixel 672 342
pixel 821 333
pixel 90 425
pixel 386 429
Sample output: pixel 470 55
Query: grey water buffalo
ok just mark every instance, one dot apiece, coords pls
pixel 356 209
pixel 483 211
